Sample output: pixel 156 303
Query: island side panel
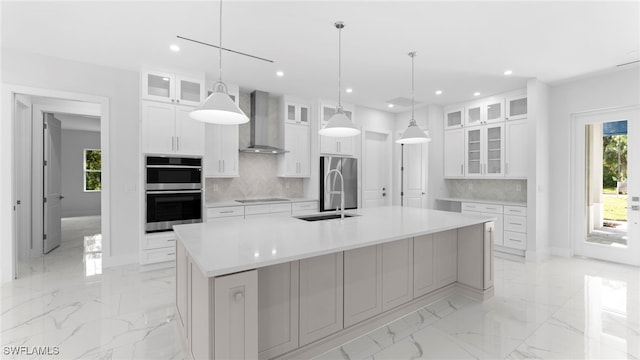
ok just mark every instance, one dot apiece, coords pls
pixel 475 256
pixel 362 284
pixel 397 273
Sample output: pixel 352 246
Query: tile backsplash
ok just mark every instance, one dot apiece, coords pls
pixel 480 189
pixel 258 179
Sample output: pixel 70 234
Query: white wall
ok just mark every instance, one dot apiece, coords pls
pixel 77 202
pixel 614 89
pixel 122 89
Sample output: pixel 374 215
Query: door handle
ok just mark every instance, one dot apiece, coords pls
pixel 61 197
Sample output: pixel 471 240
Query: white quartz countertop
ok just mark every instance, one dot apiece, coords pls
pixel 214 204
pixel 494 202
pixel 225 247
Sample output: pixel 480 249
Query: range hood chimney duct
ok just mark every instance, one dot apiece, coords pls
pixel 259 122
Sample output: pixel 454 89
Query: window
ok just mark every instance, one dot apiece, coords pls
pixel 92 170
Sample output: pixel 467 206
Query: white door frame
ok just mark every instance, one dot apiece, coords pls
pixel 577 178
pixel 389 147
pixel 8 240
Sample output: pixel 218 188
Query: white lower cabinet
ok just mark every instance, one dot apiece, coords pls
pixel 278 288
pixel 157 248
pixel 321 297
pixel 235 315
pixel 446 257
pixel 362 284
pixel 487 210
pixel 397 273
pixel 510 228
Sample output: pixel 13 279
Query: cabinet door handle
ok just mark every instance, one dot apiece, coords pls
pixel 173 142
pixel 177 143
pixel 237 297
pixel 223 167
pixel 461 169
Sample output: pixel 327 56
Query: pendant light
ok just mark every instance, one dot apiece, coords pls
pixel 219 108
pixel 339 125
pixel 413 134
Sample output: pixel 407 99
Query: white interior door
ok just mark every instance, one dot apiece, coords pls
pixel 22 175
pixel 377 169
pixel 590 233
pixel 414 179
pixel 52 183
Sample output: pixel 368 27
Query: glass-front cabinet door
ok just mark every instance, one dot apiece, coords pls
pixel 494 111
pixel 494 145
pixel 474 115
pixel 304 115
pixel 516 108
pixel 454 118
pixel 473 156
pixel 158 86
pixel 190 91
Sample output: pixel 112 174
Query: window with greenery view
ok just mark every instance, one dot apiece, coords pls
pixel 92 170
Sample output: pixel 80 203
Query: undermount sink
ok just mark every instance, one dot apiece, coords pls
pixel 320 217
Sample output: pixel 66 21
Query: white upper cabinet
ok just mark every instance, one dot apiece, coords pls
pixel 172 88
pixel 484 151
pixel 335 145
pixel 295 134
pixel 221 151
pixel 494 111
pixel 517 151
pixel 454 153
pixel 516 107
pixel 474 114
pixel 454 118
pixel 168 129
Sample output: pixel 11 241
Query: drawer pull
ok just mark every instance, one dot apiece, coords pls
pixel 515 211
pixel 516 240
pixel 171 240
pixel 226 212
pixel 169 254
pixel 512 223
pixel 491 208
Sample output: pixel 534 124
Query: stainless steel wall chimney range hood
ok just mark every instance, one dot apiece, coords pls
pixel 259 122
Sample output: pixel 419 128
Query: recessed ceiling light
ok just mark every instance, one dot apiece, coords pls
pixel 349 90
pixel 508 72
pixel 438 92
pixel 476 94
pixel 175 48
pixel 279 73
pixel 165 79
pixel 390 105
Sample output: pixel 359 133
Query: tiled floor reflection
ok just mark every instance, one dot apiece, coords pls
pixel 559 309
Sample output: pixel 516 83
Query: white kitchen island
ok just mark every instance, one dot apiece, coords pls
pixel 279 287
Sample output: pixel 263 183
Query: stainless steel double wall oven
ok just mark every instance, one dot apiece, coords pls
pixel 173 188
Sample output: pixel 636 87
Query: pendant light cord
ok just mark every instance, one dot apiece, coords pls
pixel 412 121
pixel 339 25
pixel 220 47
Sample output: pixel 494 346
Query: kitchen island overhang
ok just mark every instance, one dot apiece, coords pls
pixel 287 272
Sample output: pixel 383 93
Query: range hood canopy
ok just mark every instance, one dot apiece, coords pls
pixel 259 122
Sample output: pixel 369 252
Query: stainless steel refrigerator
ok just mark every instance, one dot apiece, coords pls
pixel 349 169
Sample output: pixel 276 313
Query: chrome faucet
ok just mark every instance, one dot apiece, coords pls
pixel 330 192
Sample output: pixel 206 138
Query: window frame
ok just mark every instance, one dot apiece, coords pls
pixel 85 170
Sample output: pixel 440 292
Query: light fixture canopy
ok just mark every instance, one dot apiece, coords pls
pixel 219 108
pixel 339 125
pixel 413 134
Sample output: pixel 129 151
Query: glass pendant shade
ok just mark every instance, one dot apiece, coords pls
pixel 339 125
pixel 219 108
pixel 414 135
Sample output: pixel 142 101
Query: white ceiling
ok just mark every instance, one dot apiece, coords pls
pixel 78 122
pixel 462 47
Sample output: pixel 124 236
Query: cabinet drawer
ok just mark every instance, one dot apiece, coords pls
pixel 157 255
pixel 310 206
pixel 267 209
pixel 479 207
pixel 225 211
pixel 515 223
pixel 156 241
pixel 515 240
pixel 515 210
